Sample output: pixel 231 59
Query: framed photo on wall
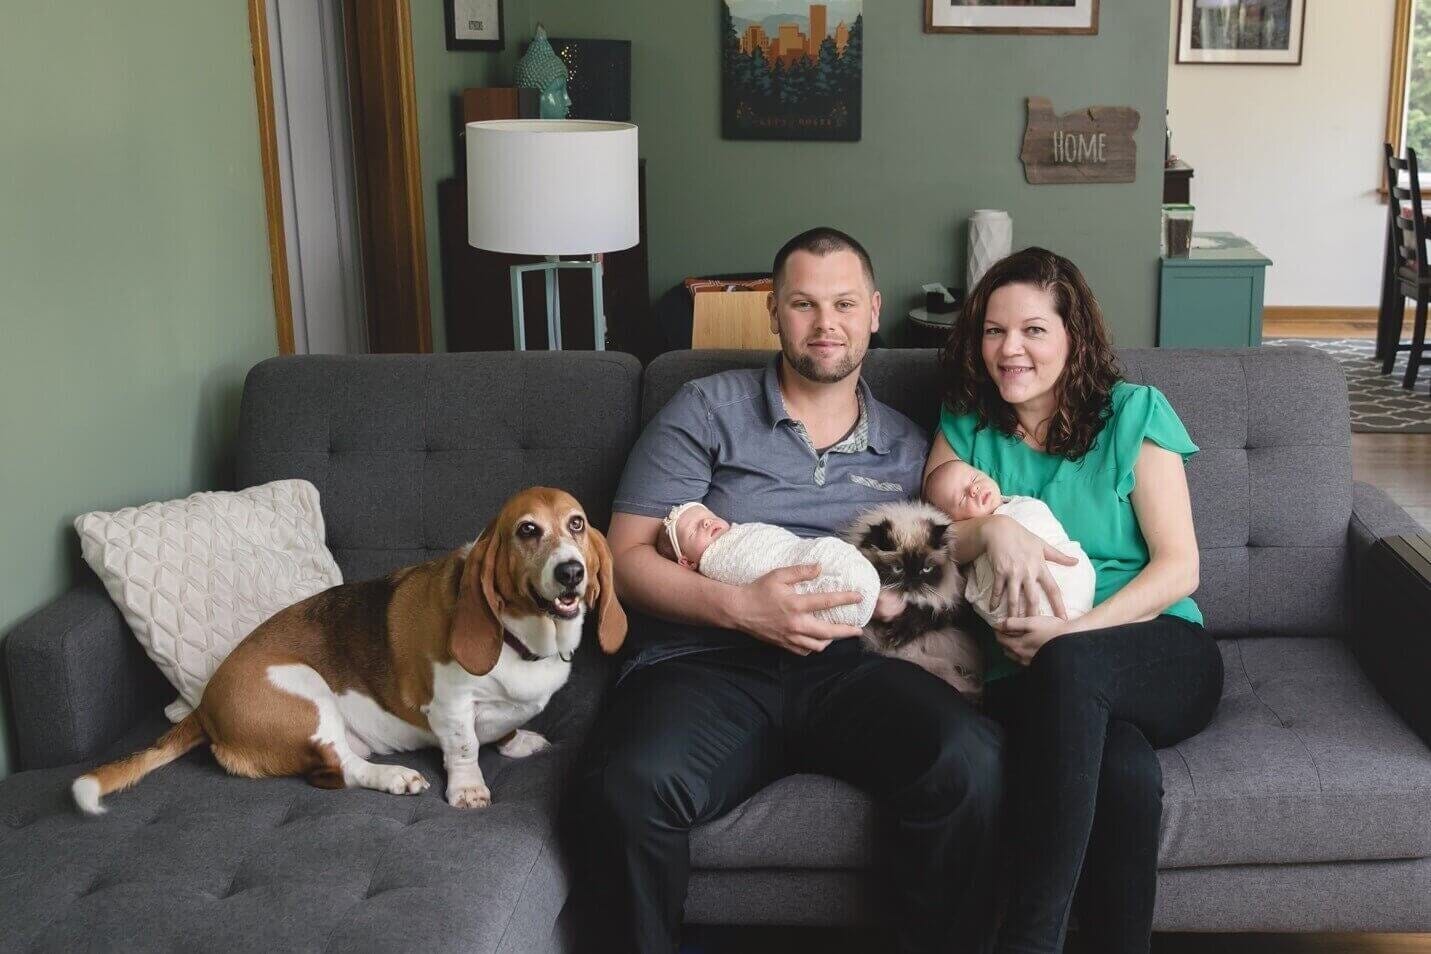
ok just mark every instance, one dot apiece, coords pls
pixel 1011 16
pixel 474 24
pixel 1268 32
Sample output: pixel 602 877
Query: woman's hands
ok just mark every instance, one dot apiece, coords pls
pixel 1020 559
pixel 773 612
pixel 1022 637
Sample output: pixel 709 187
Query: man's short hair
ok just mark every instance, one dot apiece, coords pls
pixel 822 241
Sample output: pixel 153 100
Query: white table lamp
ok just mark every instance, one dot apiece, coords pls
pixel 552 187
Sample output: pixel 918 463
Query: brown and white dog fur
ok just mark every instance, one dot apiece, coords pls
pixel 912 547
pixel 414 659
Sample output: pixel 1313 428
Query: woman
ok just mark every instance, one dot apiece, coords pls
pixel 1034 399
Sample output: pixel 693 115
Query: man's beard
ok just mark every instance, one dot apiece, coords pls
pixel 805 366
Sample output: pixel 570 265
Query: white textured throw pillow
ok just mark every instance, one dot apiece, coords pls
pixel 195 576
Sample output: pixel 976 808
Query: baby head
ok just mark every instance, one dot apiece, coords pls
pixel 688 529
pixel 963 491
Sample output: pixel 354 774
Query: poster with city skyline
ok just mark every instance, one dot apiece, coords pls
pixel 791 69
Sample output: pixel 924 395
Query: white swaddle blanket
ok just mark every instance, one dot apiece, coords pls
pixel 748 551
pixel 1075 582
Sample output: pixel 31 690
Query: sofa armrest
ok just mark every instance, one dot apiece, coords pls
pixel 78 678
pixel 1376 516
pixel 1391 613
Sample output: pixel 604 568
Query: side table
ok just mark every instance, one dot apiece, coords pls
pixel 1213 297
pixel 928 330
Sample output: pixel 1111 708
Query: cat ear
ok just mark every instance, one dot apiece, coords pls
pixel 879 536
pixel 938 535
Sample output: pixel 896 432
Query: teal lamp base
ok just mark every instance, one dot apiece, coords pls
pixel 549 270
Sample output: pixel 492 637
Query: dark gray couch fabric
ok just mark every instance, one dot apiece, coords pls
pixel 1303 807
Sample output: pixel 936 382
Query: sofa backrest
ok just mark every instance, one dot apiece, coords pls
pixel 1271 487
pixel 413 454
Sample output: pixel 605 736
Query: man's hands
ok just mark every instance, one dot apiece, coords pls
pixel 772 611
pixel 1019 559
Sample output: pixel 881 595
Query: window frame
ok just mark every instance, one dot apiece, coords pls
pixel 1396 90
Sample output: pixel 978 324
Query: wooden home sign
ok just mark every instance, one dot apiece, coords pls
pixel 1086 145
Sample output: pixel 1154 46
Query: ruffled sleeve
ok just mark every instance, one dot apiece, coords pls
pixel 1141 412
pixel 958 430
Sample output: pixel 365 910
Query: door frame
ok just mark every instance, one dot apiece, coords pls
pixel 388 175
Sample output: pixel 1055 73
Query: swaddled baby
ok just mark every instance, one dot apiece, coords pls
pixel 969 492
pixel 742 553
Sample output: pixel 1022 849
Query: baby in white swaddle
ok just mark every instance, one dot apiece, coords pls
pixel 972 493
pixel 742 553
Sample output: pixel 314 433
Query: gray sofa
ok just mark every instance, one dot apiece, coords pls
pixel 1306 805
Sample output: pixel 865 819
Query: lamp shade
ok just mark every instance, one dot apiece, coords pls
pixel 552 186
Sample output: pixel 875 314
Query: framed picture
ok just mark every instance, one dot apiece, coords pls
pixel 1011 16
pixel 792 69
pixel 1268 32
pixel 474 24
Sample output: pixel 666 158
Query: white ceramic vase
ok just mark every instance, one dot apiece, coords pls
pixel 991 237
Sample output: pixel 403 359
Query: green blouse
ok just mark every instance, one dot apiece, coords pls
pixel 1090 497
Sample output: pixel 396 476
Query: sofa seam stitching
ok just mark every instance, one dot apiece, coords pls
pixel 1280 721
pixel 1246 450
pixel 1191 781
pixel 521 891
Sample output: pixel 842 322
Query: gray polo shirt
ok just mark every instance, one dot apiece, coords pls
pixel 727 440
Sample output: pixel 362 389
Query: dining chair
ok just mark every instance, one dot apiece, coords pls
pixel 1407 269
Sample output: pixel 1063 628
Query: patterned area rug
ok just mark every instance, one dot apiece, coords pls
pixel 1379 404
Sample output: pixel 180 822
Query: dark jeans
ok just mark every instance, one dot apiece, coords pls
pixel 1085 789
pixel 685 740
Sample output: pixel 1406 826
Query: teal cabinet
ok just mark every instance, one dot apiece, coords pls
pixel 1213 298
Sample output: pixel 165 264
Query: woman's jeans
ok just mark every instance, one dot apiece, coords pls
pixel 1085 789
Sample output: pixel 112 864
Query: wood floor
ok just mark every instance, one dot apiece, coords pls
pixel 727 940
pixel 1399 464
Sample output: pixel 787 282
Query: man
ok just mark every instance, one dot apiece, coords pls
pixel 727 688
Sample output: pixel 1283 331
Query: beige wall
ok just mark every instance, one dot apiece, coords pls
pixel 1289 156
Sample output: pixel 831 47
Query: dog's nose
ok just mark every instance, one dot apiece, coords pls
pixel 569 572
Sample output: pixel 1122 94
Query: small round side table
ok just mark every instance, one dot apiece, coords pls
pixel 926 330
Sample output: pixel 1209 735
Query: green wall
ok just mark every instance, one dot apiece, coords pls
pixel 439 76
pixel 943 121
pixel 134 281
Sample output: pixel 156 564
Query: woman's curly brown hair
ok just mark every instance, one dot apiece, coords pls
pixel 1084 388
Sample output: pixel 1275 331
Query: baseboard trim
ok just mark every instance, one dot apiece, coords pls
pixel 1322 312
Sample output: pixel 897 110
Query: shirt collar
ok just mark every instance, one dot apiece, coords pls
pixel 775 405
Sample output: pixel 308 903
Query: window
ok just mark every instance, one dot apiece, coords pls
pixel 1408 111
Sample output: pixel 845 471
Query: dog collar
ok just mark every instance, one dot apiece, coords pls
pixel 522 650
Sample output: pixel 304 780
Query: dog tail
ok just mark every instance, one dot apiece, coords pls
pixel 116 776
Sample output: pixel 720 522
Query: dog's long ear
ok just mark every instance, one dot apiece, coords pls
pixel 601 593
pixel 475 639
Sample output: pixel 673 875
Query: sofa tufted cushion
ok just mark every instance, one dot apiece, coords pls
pixel 194 859
pixel 414 454
pixel 1271 487
pixel 1304 762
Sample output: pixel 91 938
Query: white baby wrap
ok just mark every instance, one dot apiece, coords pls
pixel 1075 582
pixel 748 551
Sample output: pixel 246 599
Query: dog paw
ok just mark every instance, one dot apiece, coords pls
pixel 469 796
pixel 524 743
pixel 399 780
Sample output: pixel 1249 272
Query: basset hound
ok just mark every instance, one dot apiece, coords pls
pixel 457 652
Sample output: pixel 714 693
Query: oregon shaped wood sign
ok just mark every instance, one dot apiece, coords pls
pixel 1087 145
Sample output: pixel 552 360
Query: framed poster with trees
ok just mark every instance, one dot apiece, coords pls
pixel 791 70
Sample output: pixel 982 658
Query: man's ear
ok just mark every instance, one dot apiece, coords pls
pixel 875 302
pixel 475 637
pixel 601 593
pixel 774 313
